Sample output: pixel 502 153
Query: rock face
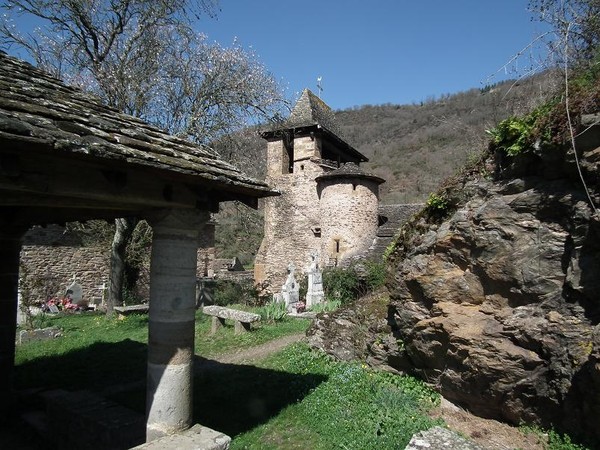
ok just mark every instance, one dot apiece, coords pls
pixel 498 304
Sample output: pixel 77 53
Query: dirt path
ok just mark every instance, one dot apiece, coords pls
pixel 247 356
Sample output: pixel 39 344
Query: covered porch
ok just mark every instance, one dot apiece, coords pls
pixel 66 157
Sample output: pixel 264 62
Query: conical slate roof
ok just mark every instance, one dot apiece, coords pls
pixel 312 112
pixel 349 170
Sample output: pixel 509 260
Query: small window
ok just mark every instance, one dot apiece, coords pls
pixel 301 166
pixel 354 186
pixel 317 231
pixel 337 245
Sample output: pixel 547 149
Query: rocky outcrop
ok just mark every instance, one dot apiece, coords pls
pixel 495 300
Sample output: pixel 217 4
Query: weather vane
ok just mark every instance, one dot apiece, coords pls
pixel 319 86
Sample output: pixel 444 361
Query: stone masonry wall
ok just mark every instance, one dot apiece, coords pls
pixel 349 211
pixel 292 218
pixel 52 253
pixel 89 266
pixel 206 251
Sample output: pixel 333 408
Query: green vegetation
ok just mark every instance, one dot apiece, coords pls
pixel 84 356
pixel 230 292
pixel 353 407
pixel 273 311
pixel 346 285
pixel 518 135
pixel 94 351
pixel 341 284
pixel 375 275
pixel 554 440
pixel 296 398
pixel 326 306
pixel 437 203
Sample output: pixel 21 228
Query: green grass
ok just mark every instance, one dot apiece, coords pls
pixel 294 399
pixel 95 351
pixel 92 352
pixel 353 407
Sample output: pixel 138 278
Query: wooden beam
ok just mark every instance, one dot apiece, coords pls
pixel 43 181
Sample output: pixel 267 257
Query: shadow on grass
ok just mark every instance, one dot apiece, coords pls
pixel 93 367
pixel 227 397
pixel 236 398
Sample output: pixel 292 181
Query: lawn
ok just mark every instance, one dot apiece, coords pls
pixel 294 399
pixel 95 352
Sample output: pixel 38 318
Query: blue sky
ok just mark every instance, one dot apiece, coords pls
pixel 382 51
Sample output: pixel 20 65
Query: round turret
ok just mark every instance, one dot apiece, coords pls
pixel 349 200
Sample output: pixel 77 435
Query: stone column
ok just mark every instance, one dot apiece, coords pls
pixel 171 321
pixel 10 248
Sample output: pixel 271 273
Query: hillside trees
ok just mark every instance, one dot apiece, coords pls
pixel 144 58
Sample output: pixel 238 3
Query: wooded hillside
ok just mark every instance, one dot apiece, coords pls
pixel 414 147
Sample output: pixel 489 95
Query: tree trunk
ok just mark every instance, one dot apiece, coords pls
pixel 123 232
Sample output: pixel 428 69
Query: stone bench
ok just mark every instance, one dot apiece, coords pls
pixel 242 319
pixel 132 309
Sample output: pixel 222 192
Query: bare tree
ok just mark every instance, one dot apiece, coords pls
pixel 144 58
pixel 579 20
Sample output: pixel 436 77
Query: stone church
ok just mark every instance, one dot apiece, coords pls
pixel 329 206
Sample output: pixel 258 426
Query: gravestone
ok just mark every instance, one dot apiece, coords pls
pixel 314 294
pixel 75 293
pixel 290 291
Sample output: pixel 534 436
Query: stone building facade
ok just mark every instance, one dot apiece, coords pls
pixel 328 204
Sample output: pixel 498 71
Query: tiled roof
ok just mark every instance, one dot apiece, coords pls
pixel 40 112
pixel 350 170
pixel 311 111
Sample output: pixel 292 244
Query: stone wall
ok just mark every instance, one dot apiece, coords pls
pixel 206 251
pixel 290 223
pixel 58 255
pixel 349 211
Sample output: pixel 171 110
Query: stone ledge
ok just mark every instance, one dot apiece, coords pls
pixel 196 438
pixel 42 334
pixel 439 438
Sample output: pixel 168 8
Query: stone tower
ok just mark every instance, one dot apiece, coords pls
pixel 327 204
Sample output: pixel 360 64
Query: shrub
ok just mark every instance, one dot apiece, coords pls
pixel 228 292
pixel 340 284
pixel 375 275
pixel 518 135
pixel 437 203
pixel 345 285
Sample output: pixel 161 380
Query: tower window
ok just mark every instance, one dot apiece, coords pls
pixel 287 156
pixel 337 245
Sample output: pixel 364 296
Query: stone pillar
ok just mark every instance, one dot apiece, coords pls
pixel 171 321
pixel 10 248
